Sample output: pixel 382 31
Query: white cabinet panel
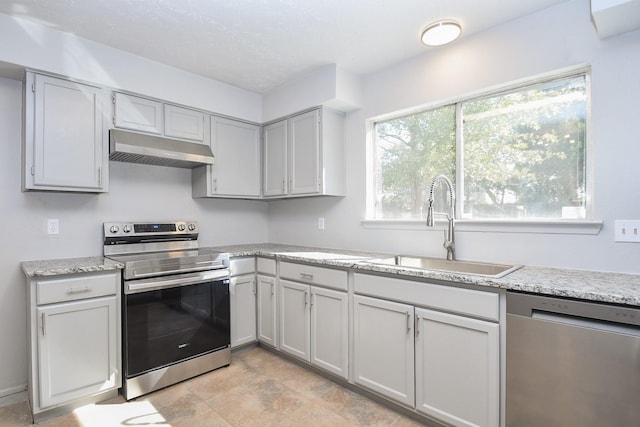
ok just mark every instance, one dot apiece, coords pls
pixel 185 123
pixel 457 369
pixel 135 113
pixel 304 155
pixel 237 170
pixel 294 319
pixel 275 159
pixel 77 350
pixel 384 348
pixel 65 146
pixel 242 290
pixel 330 330
pixel 304 150
pixel 267 314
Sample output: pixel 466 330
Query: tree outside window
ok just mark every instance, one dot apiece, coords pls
pixel 523 155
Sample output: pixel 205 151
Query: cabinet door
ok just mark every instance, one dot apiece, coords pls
pixel 132 112
pixel 275 159
pixel 304 153
pixel 180 122
pixel 68 151
pixel 267 331
pixel 383 348
pixel 294 319
pixel 242 291
pixel 330 330
pixel 457 369
pixel 77 350
pixel 237 170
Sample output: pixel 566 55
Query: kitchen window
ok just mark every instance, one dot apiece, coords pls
pixel 515 155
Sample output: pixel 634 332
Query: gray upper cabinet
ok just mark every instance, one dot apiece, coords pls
pixel 237 169
pixel 304 155
pixel 275 159
pixel 158 118
pixel 135 113
pixel 65 143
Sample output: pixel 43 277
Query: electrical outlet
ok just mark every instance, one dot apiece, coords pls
pixel 53 226
pixel 627 230
pixel 320 223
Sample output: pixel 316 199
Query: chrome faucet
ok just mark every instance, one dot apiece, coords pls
pixel 449 243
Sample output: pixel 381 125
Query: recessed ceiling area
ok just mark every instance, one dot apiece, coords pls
pixel 259 45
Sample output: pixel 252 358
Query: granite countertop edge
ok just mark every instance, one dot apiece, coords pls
pixel 597 286
pixel 617 288
pixel 62 266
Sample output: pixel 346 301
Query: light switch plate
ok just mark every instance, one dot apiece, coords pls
pixel 627 230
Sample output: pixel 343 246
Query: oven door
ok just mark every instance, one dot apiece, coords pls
pixel 174 318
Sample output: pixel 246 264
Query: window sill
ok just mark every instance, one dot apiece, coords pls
pixel 496 226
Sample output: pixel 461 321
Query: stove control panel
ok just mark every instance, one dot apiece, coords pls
pixel 150 229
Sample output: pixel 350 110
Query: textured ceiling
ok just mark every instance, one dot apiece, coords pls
pixel 261 44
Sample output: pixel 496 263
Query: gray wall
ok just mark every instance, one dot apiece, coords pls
pixel 555 38
pixel 137 192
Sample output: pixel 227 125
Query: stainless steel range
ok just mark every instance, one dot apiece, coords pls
pixel 175 312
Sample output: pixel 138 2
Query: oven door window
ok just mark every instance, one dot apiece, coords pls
pixel 170 325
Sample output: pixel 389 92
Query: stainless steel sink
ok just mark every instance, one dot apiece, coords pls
pixel 437 264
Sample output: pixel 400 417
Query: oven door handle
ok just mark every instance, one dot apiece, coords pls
pixel 156 283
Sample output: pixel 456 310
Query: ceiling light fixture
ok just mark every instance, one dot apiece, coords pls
pixel 441 32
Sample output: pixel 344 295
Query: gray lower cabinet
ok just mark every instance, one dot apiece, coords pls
pixel 314 325
pixel 267 314
pixel 457 368
pixel 443 361
pixel 384 348
pixel 74 345
pixel 242 300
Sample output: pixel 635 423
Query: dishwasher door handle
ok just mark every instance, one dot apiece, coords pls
pixel 583 322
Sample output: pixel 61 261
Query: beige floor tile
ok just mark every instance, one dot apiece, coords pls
pixel 256 405
pixel 222 380
pixel 313 414
pixel 358 409
pixel 304 381
pixel 259 388
pixel 15 414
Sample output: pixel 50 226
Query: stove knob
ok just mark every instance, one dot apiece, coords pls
pixel 192 227
pixel 126 228
pixel 114 229
pixel 181 227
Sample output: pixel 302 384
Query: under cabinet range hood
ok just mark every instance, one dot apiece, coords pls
pixel 133 147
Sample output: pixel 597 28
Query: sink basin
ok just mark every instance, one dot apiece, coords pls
pixel 437 264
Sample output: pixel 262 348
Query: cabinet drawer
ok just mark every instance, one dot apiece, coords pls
pixel 267 266
pixel 468 302
pixel 238 266
pixel 49 291
pixel 316 275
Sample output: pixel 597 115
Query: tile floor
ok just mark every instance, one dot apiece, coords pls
pixel 259 388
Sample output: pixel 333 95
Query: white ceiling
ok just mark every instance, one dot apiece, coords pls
pixel 261 44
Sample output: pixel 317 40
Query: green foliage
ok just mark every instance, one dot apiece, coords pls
pixel 523 154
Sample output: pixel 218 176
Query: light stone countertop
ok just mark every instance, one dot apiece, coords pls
pixel 615 288
pixel 618 288
pixel 58 267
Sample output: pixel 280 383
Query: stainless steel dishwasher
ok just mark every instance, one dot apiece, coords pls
pixel 571 363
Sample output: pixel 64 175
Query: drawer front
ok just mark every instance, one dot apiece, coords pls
pixel 485 305
pixel 238 266
pixel 266 266
pixel 328 277
pixel 50 291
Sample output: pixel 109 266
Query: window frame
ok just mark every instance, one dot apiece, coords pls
pixel 552 226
